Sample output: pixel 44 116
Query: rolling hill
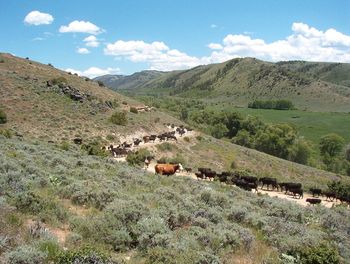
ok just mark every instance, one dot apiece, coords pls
pixel 310 86
pixel 58 203
pixel 120 82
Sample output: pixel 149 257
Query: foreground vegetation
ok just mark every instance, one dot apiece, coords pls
pixel 125 212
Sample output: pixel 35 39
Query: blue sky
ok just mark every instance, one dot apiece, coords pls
pixel 128 36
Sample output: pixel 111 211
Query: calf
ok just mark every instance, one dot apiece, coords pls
pixel 137 141
pixel 152 137
pixel 313 201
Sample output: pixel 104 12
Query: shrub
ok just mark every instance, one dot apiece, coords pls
pixel 94 148
pixel 118 118
pixel 25 254
pixel 100 83
pixel 81 256
pixel 64 145
pixel 110 137
pixel 3 117
pixel 177 159
pixel 187 139
pixel 138 157
pixel 165 147
pixel 59 81
pixel 133 110
pixel 6 133
pixel 320 254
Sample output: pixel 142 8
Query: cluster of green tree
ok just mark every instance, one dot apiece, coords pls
pixel 333 156
pixel 281 104
pixel 280 140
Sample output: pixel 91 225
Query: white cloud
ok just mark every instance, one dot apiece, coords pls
pixel 305 43
pixel 37 18
pixel 213 26
pixel 93 72
pixel 81 27
pixel 215 46
pixel 91 41
pixel 157 54
pixel 83 51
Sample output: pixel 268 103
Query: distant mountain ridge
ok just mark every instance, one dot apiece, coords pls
pixel 315 86
pixel 119 82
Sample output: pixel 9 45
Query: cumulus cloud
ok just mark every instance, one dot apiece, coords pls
pixel 91 41
pixel 93 72
pixel 81 27
pixel 37 18
pixel 83 51
pixel 157 54
pixel 215 46
pixel 305 43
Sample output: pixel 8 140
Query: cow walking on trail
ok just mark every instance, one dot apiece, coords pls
pixel 167 169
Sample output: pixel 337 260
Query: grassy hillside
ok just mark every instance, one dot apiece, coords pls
pixel 59 204
pixel 99 209
pixel 323 87
pixel 36 110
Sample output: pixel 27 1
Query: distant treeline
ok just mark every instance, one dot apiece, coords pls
pixel 272 104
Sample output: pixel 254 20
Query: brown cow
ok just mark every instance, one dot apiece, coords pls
pixel 166 169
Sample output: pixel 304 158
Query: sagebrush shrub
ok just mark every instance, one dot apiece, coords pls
pixel 118 118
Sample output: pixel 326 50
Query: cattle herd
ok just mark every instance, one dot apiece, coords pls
pixel 252 183
pixel 245 182
pixel 125 148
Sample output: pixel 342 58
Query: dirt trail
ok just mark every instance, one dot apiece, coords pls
pixel 190 134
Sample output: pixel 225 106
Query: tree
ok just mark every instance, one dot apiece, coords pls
pixel 300 152
pixel 347 153
pixel 218 131
pixel 331 145
pixel 184 114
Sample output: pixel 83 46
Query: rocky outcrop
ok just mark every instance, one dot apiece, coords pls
pixel 68 90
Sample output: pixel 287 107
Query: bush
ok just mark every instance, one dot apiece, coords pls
pixel 64 145
pixel 133 110
pixel 59 81
pixel 81 256
pixel 100 83
pixel 6 133
pixel 187 139
pixel 94 148
pixel 320 254
pixel 138 157
pixel 25 255
pixel 3 117
pixel 118 118
pixel 165 147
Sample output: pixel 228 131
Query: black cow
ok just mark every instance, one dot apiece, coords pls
pixel 152 137
pixel 313 201
pixel 331 196
pixel 188 170
pixel 137 141
pixel 199 175
pixel 315 192
pixel 296 192
pixel 268 182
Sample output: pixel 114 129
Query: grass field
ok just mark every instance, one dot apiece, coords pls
pixel 311 125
